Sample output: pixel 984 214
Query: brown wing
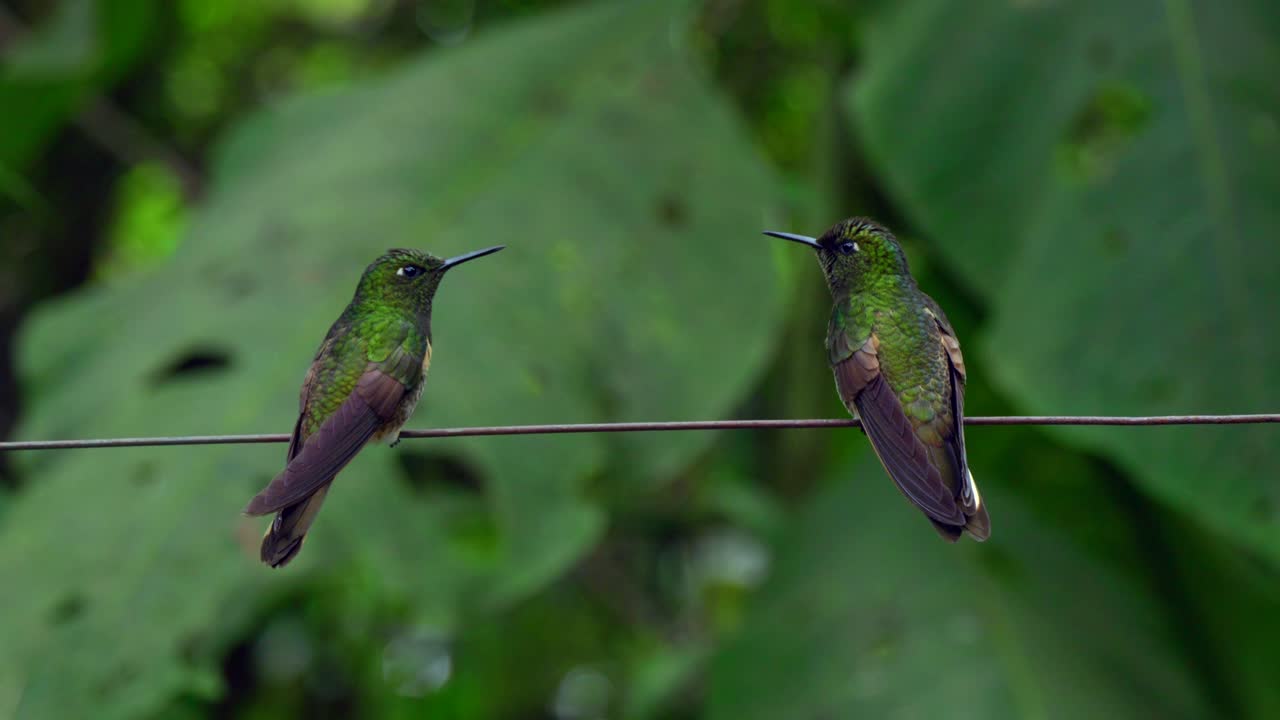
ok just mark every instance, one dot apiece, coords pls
pixel 374 401
pixel 892 435
pixel 978 522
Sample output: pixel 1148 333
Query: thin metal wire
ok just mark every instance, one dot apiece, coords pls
pixel 564 429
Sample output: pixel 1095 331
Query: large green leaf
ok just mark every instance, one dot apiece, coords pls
pixel 868 614
pixel 84 47
pixel 1104 176
pixel 583 142
pixel 1228 599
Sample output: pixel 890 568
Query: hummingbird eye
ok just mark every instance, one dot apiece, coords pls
pixel 848 247
pixel 409 271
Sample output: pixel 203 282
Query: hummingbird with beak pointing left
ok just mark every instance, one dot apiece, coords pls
pixel 898 368
pixel 363 385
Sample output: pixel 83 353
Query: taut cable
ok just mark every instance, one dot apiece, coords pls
pixel 577 428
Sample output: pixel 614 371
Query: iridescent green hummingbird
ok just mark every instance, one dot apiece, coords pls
pixel 363 385
pixel 898 368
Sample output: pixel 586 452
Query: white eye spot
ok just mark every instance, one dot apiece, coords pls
pixel 409 271
pixel 848 247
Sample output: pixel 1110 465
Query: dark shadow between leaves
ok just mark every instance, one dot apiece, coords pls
pixel 428 473
pixel 200 360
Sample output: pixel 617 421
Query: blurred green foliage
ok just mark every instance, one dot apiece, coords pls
pixel 1085 187
pixel 861 610
pixel 51 72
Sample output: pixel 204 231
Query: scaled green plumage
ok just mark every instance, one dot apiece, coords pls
pixel 898 367
pixel 363 384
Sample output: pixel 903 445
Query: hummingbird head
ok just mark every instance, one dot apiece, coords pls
pixel 855 252
pixel 407 279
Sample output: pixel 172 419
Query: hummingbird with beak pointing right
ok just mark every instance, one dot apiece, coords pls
pixel 363 385
pixel 898 368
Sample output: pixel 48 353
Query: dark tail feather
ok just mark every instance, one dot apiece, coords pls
pixel 284 538
pixel 979 524
pixel 950 533
pixel 976 521
pixel 277 551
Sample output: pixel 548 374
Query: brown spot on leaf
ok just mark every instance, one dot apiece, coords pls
pixel 1102 129
pixel 672 211
pixel 549 101
pixel 1115 242
pixel 144 473
pixel 69 608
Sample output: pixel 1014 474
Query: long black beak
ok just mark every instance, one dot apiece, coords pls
pixel 455 261
pixel 802 239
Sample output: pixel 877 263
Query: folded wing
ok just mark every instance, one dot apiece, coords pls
pixel 977 521
pixel 892 435
pixel 912 464
pixel 372 403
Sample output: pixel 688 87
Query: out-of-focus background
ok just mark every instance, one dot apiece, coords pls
pixel 189 191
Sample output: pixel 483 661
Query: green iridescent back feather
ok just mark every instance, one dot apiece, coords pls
pixel 385 314
pixel 874 293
